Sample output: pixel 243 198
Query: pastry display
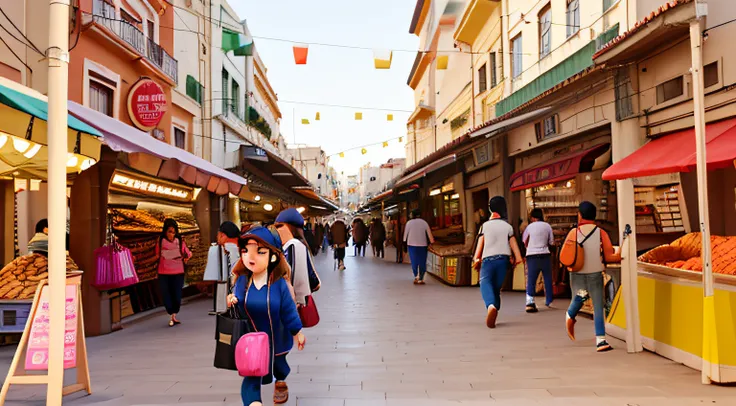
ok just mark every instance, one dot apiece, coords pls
pixel 20 278
pixel 150 221
pixel 684 253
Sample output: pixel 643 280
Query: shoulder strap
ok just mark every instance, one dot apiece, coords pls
pixel 587 236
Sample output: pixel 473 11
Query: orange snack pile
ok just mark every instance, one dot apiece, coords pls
pixel 684 253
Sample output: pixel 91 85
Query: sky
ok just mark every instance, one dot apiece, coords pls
pixel 338 76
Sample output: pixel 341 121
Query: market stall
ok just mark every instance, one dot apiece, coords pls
pixel 676 320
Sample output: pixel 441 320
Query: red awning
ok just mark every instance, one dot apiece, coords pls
pixel 676 153
pixel 558 169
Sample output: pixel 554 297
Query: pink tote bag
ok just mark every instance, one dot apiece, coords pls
pixel 115 268
pixel 252 354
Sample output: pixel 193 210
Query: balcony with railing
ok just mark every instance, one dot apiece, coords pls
pixel 103 13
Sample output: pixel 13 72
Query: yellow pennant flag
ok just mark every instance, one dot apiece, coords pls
pixel 442 62
pixel 316 116
pixel 390 117
pixel 401 139
pixel 305 121
pixel 385 144
pixel 342 155
pixel 358 116
pixel 363 151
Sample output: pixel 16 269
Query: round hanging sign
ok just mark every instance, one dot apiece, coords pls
pixel 146 104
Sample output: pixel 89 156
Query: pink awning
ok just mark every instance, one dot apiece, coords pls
pixel 158 158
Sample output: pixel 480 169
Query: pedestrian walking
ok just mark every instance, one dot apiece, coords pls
pixel 327 238
pixel 221 258
pixel 587 283
pixel 172 254
pixel 496 244
pixel 263 295
pixel 339 234
pixel 538 237
pixel 360 236
pixel 417 238
pixel 377 237
pixel 319 237
pixel 289 225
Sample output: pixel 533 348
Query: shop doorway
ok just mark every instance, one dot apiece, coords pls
pixel 480 207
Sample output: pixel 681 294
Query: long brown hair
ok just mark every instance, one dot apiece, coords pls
pixel 276 270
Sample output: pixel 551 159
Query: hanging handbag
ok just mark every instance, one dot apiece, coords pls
pixel 253 353
pixel 231 326
pixel 308 313
pixel 115 268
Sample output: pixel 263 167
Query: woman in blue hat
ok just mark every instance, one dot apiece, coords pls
pixel 263 294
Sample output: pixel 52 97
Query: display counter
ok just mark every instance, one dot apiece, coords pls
pixel 671 317
pixel 452 264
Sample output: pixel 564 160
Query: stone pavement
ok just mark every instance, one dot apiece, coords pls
pixel 384 341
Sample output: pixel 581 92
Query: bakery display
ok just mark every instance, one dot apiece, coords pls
pixel 684 253
pixel 20 278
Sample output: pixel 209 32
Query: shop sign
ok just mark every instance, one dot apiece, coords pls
pixel 541 174
pixel 149 187
pixel 448 187
pixel 146 104
pixel 255 153
pixel 37 355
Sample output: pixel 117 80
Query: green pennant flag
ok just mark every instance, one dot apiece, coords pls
pixel 240 44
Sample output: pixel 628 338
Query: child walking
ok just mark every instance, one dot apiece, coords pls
pixel 263 293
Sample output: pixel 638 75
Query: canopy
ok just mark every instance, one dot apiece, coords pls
pixel 558 169
pixel 676 153
pixel 418 174
pixel 24 139
pixel 497 125
pixel 157 158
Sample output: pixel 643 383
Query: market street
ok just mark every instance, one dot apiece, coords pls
pixel 384 341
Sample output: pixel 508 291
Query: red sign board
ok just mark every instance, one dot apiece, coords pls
pixel 146 104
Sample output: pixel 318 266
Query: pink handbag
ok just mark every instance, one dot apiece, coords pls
pixel 115 268
pixel 252 354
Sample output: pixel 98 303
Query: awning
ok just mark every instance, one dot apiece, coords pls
pixel 676 153
pixel 24 138
pixel 559 169
pixel 418 174
pixel 510 123
pixel 421 111
pixel 318 202
pixel 157 158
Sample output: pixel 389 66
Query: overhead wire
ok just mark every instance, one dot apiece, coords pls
pixel 30 43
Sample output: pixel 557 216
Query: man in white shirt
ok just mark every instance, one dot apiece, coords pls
pixel 538 237
pixel 417 237
pixel 221 259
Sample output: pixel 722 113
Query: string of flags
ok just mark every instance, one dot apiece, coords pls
pixel 382 58
pixel 358 117
pixel 364 148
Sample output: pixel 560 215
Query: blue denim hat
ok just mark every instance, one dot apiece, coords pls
pixel 262 235
pixel 291 216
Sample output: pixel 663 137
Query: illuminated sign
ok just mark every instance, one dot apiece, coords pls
pixel 150 187
pixel 448 187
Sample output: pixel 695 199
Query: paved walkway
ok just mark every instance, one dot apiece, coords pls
pixel 384 341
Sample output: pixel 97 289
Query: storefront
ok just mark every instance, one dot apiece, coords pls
pixel 670 276
pixel 139 182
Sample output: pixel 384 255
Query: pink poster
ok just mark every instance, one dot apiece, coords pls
pixel 37 355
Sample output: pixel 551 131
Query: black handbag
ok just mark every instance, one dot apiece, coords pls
pixel 230 326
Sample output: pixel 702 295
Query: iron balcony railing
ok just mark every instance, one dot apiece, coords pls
pixel 103 13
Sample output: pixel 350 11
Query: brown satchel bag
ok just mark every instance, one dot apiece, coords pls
pixel 571 254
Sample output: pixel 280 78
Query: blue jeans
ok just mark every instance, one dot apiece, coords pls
pixel 536 264
pixel 418 257
pixel 492 274
pixel 250 390
pixel 584 286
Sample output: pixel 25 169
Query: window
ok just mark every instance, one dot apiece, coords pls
pixel 235 106
pixel 150 29
pixel 225 85
pixel 10 318
pixel 129 18
pixel 180 138
pixel 494 79
pixel 710 74
pixel 100 97
pixel 573 17
pixel 482 79
pixel 669 90
pixel 516 60
pixel 546 128
pixel 608 4
pixel 545 31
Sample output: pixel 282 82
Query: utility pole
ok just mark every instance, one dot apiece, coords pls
pixel 58 77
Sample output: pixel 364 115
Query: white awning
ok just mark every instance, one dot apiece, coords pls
pixel 510 123
pixel 420 173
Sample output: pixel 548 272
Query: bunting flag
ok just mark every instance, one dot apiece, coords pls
pixel 363 151
pixel 300 53
pixel 316 116
pixel 401 139
pixel 342 155
pixel 358 116
pixel 382 58
pixel 389 117
pixel 240 44
pixel 385 144
pixel 442 62
pixel 305 121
